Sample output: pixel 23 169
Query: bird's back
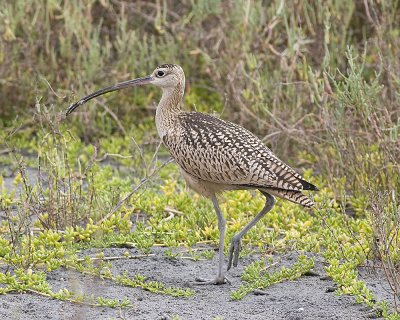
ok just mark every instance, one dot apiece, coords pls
pixel 222 152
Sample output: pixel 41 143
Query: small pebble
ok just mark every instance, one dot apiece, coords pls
pixel 259 292
pixel 331 289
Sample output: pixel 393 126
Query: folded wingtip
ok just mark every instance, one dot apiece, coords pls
pixel 309 186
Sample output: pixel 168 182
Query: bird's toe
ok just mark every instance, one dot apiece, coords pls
pixel 216 281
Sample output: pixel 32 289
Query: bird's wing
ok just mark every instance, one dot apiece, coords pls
pixel 223 152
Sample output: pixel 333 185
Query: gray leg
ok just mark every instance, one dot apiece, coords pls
pixel 220 279
pixel 236 240
pixel 221 228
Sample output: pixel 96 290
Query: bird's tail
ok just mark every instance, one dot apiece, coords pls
pixel 293 196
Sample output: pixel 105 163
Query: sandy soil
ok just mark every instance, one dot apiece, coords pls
pixel 306 298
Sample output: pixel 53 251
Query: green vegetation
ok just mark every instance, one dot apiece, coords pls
pixel 258 279
pixel 319 81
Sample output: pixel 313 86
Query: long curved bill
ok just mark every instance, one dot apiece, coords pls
pixel 118 86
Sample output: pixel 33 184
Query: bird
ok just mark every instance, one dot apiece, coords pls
pixel 214 156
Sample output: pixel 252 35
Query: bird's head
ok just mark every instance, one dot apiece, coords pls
pixel 166 76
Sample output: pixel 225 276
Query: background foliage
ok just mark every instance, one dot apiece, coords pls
pixel 320 76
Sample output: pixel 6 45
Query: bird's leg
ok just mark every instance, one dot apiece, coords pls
pixel 220 279
pixel 234 249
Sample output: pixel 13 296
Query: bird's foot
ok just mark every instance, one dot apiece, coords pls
pixel 218 280
pixel 234 251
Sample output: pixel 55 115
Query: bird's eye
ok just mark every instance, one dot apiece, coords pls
pixel 160 73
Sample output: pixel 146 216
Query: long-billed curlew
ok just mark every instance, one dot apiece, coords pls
pixel 215 155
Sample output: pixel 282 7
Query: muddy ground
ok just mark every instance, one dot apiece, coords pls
pixel 306 298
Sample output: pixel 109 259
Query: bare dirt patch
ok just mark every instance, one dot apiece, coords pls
pixel 306 298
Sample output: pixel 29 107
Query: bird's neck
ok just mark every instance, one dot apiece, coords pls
pixel 168 108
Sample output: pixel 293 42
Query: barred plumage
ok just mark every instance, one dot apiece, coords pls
pixel 216 155
pixel 293 196
pixel 218 151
